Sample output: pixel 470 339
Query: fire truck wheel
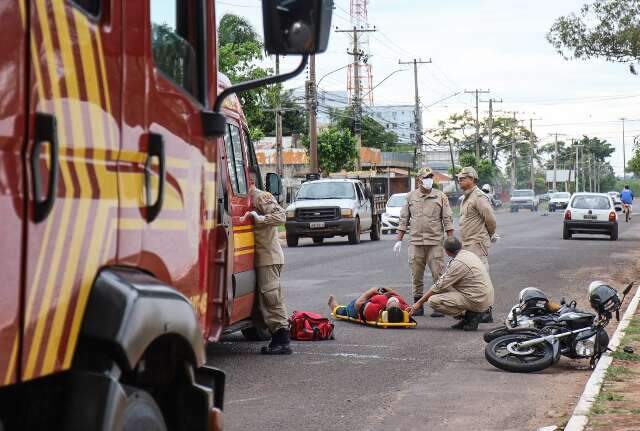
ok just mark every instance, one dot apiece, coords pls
pixel 256 333
pixel 141 412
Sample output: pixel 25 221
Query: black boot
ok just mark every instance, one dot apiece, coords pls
pixel 459 325
pixel 279 345
pixel 487 316
pixel 419 311
pixel 471 321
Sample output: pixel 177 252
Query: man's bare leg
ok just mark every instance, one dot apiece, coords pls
pixel 332 303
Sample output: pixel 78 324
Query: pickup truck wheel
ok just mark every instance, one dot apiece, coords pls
pixel 354 237
pixel 318 240
pixel 141 412
pixel 292 240
pixel 376 229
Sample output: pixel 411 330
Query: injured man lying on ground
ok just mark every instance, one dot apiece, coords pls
pixel 376 304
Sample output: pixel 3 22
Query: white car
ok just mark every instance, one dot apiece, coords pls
pixel 559 200
pixel 616 200
pixel 590 213
pixel 391 216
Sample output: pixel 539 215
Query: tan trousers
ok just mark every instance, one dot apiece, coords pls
pixel 479 250
pixel 419 257
pixel 453 303
pixel 270 302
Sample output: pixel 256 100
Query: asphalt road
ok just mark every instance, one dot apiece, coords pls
pixel 430 377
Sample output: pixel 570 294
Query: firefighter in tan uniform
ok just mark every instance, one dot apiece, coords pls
pixel 427 216
pixel 269 259
pixel 477 220
pixel 463 291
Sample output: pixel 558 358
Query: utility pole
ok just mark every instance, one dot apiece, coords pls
pixel 357 102
pixel 533 173
pixel 577 170
pixel 453 163
pixel 490 126
pixel 477 92
pixel 312 106
pixel 513 153
pixel 555 162
pixel 278 126
pixel 624 156
pixel 418 111
pixel 555 159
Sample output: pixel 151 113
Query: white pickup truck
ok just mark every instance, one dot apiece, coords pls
pixel 525 198
pixel 334 207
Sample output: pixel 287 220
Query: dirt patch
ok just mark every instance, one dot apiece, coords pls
pixel 617 407
pixel 570 376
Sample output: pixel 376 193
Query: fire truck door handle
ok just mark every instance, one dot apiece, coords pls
pixel 45 131
pixel 155 149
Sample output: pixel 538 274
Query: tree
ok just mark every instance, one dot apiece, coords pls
pixel 460 130
pixel 487 172
pixel 336 149
pixel 634 164
pixel 602 29
pixel 239 51
pixel 294 119
pixel 373 133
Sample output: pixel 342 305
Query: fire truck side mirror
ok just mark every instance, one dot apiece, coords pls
pixel 274 184
pixel 296 26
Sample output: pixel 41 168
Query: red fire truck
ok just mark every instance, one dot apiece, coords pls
pixel 123 176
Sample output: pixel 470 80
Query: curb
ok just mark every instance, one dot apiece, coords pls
pixel 580 417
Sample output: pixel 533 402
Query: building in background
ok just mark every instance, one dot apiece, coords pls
pixel 399 119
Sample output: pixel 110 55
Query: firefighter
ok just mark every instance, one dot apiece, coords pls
pixel 477 220
pixel 427 216
pixel 464 291
pixel 269 259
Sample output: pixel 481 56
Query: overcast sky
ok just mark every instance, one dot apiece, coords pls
pixel 498 45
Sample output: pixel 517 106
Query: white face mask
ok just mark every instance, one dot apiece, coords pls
pixel 427 183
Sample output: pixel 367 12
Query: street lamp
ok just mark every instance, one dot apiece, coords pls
pixel 333 71
pixel 385 78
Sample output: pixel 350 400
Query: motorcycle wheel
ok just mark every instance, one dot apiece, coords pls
pixel 501 353
pixel 501 331
pixel 494 333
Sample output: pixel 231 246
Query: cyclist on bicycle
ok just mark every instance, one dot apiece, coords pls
pixel 626 196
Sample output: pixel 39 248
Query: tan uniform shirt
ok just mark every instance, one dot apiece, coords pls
pixel 268 249
pixel 466 274
pixel 427 215
pixel 477 221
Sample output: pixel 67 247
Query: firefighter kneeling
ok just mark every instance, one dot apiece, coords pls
pixel 463 291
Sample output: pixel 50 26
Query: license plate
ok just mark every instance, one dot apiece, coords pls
pixel 316 225
pixel 590 217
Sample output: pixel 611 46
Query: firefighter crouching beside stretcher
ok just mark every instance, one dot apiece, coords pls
pixel 464 290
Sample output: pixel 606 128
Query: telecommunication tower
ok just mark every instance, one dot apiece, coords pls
pixel 364 77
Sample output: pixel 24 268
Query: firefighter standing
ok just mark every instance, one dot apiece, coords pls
pixel 269 259
pixel 477 220
pixel 427 215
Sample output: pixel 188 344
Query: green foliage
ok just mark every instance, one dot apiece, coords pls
pixel 634 164
pixel 239 51
pixel 603 29
pixel 336 149
pixel 460 131
pixel 487 172
pixel 634 185
pixel 374 134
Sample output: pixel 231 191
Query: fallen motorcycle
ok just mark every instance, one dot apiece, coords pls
pixel 572 333
pixel 533 311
